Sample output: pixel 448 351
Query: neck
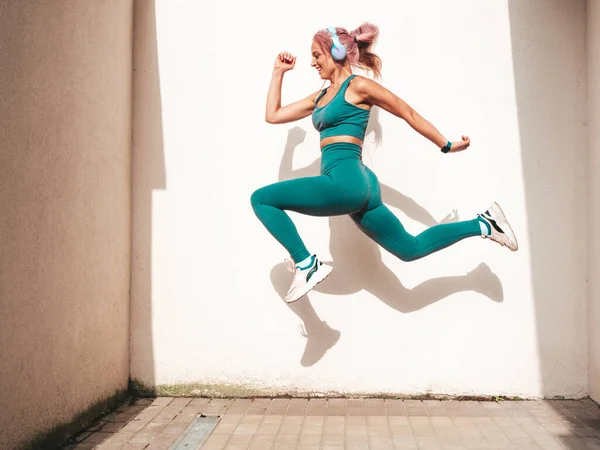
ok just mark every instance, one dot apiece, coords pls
pixel 339 76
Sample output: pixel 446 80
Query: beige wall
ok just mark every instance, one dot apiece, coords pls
pixel 593 52
pixel 65 115
pixel 148 178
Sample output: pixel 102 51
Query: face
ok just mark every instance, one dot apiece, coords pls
pixel 322 62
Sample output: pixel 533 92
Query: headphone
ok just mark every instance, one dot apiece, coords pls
pixel 338 51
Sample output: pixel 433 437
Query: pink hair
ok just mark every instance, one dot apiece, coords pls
pixel 358 45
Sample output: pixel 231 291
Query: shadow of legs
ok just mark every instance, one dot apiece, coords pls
pixel 386 287
pixel 320 337
pixel 360 266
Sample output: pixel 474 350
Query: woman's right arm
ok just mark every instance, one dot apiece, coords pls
pixel 275 113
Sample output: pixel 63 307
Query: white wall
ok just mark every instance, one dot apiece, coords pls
pixel 65 146
pixel 593 53
pixel 207 277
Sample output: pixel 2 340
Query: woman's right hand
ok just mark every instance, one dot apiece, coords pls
pixel 285 62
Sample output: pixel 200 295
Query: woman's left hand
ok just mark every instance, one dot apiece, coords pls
pixel 459 146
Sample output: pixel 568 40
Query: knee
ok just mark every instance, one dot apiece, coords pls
pixel 409 252
pixel 408 257
pixel 256 198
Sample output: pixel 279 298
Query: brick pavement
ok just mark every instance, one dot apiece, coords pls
pixel 336 424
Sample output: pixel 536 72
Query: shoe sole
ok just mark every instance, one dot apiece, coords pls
pixel 323 272
pixel 506 227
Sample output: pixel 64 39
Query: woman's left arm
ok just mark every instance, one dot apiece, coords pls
pixel 373 93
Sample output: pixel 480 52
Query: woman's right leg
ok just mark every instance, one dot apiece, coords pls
pixel 267 204
pixel 342 189
pixel 316 196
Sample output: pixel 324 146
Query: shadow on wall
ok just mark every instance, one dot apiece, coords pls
pixel 548 42
pixel 360 266
pixel 148 175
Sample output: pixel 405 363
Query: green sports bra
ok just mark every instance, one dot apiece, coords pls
pixel 338 117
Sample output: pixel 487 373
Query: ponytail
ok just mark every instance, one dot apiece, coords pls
pixel 365 37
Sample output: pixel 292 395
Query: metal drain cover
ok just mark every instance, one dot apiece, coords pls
pixel 195 434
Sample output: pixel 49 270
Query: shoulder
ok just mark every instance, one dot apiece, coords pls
pixel 361 82
pixel 364 86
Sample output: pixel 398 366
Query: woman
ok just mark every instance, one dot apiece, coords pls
pixel 346 186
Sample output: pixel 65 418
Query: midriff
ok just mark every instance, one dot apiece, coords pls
pixel 334 139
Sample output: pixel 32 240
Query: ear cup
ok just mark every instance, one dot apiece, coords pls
pixel 338 51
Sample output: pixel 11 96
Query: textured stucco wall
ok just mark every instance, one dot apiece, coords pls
pixel 65 135
pixel 207 277
pixel 548 65
pixel 593 54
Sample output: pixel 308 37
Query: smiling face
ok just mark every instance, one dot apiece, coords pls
pixel 322 61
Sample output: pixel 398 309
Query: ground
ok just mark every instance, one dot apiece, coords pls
pixel 336 424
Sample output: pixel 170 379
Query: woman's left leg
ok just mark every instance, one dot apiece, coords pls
pixel 381 225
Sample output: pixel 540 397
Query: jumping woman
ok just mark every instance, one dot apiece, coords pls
pixel 340 113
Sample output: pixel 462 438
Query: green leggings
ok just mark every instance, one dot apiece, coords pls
pixel 347 186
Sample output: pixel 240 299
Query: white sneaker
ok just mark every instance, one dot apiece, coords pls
pixel 306 279
pixel 502 232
